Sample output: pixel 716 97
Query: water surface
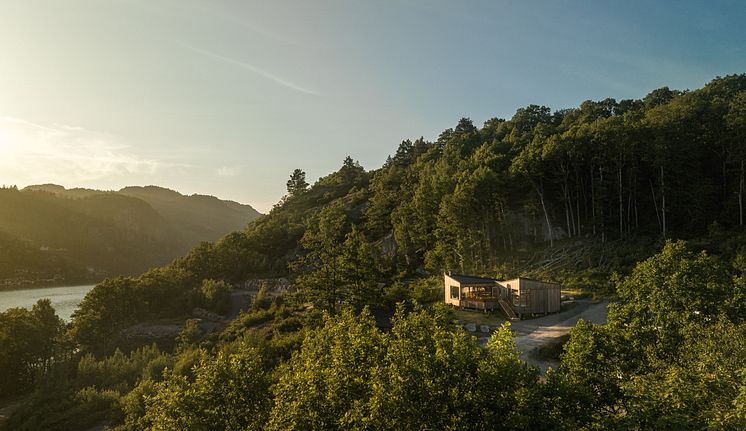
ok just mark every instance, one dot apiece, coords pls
pixel 64 299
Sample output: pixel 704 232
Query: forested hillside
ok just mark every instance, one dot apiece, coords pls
pixel 668 165
pixel 52 235
pixel 195 217
pixel 637 200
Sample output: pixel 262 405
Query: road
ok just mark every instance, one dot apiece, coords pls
pixel 533 333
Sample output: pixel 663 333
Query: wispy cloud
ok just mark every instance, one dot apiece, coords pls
pixel 229 171
pixel 250 27
pixel 252 68
pixel 63 153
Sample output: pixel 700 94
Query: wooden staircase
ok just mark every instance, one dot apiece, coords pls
pixel 508 310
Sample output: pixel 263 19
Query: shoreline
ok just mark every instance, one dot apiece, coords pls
pixel 52 285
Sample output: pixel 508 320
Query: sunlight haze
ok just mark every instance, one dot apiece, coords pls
pixel 228 97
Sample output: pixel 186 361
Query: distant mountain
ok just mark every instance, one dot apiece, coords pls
pixel 198 217
pixel 49 234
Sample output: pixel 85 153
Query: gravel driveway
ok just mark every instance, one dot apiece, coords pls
pixel 533 333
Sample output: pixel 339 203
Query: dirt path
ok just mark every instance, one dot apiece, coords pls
pixel 534 333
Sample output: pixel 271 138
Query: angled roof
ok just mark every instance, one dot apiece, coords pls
pixel 468 279
pixel 527 279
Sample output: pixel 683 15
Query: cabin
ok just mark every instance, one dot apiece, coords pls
pixel 465 291
pixel 528 297
pixel 517 298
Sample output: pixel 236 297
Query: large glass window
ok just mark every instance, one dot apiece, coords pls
pixel 454 292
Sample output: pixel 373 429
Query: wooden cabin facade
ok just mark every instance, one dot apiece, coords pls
pixel 527 296
pixel 471 292
pixel 517 298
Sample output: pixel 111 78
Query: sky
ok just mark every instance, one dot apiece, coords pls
pixel 228 97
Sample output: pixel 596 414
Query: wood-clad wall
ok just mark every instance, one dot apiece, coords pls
pixel 527 296
pixel 449 282
pixel 535 296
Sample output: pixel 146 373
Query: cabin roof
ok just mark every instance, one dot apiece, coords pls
pixel 527 279
pixel 468 279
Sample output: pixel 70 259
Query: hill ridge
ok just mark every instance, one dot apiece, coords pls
pixel 49 232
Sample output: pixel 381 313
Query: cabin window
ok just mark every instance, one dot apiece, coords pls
pixel 454 292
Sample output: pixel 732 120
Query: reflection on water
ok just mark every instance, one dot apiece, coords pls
pixel 64 299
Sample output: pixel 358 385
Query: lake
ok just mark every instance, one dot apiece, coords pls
pixel 64 299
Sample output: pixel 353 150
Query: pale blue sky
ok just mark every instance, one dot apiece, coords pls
pixel 228 97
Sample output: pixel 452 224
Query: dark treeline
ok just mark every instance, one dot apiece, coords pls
pixel 617 177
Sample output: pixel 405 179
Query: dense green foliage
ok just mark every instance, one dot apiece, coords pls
pixel 50 235
pixel 424 374
pixel 229 392
pixel 84 392
pixel 671 356
pixel 610 180
pixel 29 341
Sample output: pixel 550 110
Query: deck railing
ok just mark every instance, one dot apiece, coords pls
pixel 486 305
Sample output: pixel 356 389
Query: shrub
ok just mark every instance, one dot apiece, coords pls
pixel 216 296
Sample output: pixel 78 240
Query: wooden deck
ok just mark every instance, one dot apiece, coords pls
pixel 485 305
